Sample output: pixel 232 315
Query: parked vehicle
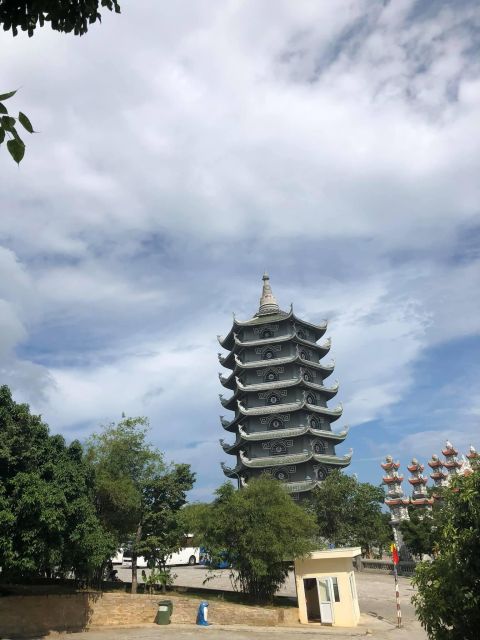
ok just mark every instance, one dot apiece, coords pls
pixel 187 555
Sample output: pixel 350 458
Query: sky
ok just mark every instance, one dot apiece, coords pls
pixel 184 148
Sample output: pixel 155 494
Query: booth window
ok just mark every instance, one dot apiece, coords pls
pixel 336 593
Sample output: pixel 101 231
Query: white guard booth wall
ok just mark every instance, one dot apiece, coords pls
pixel 326 589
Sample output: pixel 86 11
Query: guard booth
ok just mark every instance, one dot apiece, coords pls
pixel 326 589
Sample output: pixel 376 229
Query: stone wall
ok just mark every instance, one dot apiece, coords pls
pixel 23 616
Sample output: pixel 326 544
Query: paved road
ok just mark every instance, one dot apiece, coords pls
pixel 376 593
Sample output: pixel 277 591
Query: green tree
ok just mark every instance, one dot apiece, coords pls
pixel 419 532
pixel 448 598
pixel 258 531
pixel 138 495
pixel 349 512
pixel 48 521
pixel 163 532
pixel 63 15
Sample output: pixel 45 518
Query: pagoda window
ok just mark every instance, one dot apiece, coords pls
pixel 271 376
pixel 272 398
pixel 316 423
pixel 266 333
pixel 301 334
pixel 268 354
pixel 278 448
pixel 319 446
pixel 281 474
pixel 311 398
pixel 276 423
pixel 304 355
pixel 321 473
pixel 307 376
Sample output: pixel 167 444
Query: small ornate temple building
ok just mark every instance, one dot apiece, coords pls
pixel 281 424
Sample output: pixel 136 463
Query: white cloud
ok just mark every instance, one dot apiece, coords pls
pixel 185 148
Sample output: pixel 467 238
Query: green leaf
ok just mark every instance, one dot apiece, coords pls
pixel 3 108
pixel 16 149
pixel 6 96
pixel 25 122
pixel 2 134
pixel 8 122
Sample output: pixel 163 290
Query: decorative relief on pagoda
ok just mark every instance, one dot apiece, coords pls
pixel 259 331
pixel 266 420
pixel 263 350
pixel 321 472
pixel 278 447
pixel 265 394
pixel 318 446
pixel 317 423
pixel 261 372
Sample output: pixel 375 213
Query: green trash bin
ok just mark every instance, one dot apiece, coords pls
pixel 165 608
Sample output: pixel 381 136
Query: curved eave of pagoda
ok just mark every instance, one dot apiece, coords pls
pixel 227 361
pixel 418 502
pixel 230 448
pixel 454 464
pixel 301 486
pixel 393 502
pixel 229 403
pixel 290 407
pixel 392 479
pixel 323 348
pixel 228 383
pixel 415 467
pixel 260 436
pixel 386 466
pixel 279 461
pixel 293 458
pixel 329 392
pixel 438 475
pixel 227 341
pixel 449 452
pixel 327 369
pixel 435 464
pixel 229 425
pixel 415 481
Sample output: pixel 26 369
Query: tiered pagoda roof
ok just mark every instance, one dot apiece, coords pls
pixel 281 419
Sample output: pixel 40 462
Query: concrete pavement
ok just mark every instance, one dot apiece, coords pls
pixel 376 593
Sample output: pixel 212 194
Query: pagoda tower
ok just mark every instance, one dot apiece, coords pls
pixel 395 499
pixel 451 464
pixel 438 476
pixel 472 459
pixel 281 422
pixel 418 481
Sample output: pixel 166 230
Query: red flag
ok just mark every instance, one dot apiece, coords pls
pixel 395 557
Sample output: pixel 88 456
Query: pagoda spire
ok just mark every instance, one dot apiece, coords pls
pixel 268 302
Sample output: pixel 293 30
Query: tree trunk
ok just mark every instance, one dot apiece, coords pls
pixel 138 537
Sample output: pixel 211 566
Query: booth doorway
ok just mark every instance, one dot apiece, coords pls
pixel 319 599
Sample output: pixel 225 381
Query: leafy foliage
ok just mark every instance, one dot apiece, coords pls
pixel 138 496
pixel 48 519
pixel 349 512
pixel 448 598
pixel 419 532
pixel 257 531
pixel 163 532
pixel 63 15
pixel 8 129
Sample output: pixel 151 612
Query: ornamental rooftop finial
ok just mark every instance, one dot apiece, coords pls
pixel 268 302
